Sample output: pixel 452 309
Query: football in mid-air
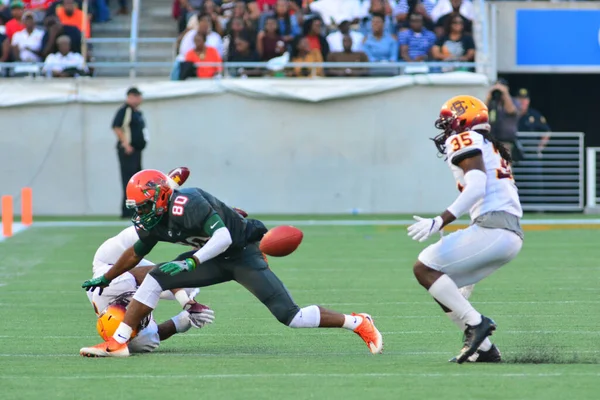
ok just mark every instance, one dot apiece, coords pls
pixel 281 241
pixel 179 175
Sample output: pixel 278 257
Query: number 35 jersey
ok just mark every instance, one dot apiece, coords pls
pixel 500 191
pixel 188 221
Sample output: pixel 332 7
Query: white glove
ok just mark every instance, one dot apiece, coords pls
pixel 202 318
pixel 424 228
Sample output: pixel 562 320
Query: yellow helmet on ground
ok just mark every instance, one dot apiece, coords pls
pixel 114 314
pixel 109 321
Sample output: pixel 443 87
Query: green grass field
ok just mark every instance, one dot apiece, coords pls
pixel 546 304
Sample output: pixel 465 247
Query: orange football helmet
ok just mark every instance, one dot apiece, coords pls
pixel 460 114
pixel 113 315
pixel 148 193
pixel 109 320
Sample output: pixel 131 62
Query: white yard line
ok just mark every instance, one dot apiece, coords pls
pixel 309 375
pixel 18 227
pixel 324 222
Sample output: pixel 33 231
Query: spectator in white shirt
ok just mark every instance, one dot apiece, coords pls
pixel 335 39
pixel 27 44
pixel 64 63
pixel 213 39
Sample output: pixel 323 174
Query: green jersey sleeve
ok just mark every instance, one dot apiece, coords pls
pixel 213 223
pixel 145 244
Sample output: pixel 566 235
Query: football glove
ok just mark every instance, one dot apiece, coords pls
pixel 175 267
pixel 424 228
pixel 99 282
pixel 199 319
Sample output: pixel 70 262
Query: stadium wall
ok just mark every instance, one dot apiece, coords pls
pixel 257 148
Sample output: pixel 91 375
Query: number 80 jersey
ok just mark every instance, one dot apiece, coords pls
pixel 500 191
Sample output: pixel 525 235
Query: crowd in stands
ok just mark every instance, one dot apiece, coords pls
pixel 273 31
pixel 43 31
pixel 350 31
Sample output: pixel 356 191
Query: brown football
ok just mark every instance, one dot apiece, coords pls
pixel 281 241
pixel 179 175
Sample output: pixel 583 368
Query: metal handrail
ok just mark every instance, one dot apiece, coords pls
pixel 129 39
pixel 135 22
pixel 226 64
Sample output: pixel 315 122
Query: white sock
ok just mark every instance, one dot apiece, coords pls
pixel 182 322
pixel 457 321
pixel 466 291
pixel 485 345
pixel 446 292
pixel 149 292
pixel 123 333
pixel 307 317
pixel 352 322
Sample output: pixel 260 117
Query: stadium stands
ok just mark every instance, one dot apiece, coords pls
pixel 272 31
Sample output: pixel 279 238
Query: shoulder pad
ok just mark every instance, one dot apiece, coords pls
pixel 463 141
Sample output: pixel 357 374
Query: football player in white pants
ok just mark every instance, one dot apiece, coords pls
pixel 122 288
pixel 119 292
pixel 481 168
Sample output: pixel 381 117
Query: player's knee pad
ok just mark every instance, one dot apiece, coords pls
pixel 283 310
pixel 307 317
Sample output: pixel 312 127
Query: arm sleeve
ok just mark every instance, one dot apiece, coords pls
pixel 217 244
pixel 474 190
pixel 119 118
pixel 142 248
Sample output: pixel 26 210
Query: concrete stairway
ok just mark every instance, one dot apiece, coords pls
pixel 155 22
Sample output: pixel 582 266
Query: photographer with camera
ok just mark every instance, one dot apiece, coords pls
pixel 503 114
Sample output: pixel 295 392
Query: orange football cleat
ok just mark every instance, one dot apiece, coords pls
pixel 110 348
pixel 369 333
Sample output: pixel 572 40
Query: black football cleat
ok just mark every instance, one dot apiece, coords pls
pixel 493 355
pixel 474 336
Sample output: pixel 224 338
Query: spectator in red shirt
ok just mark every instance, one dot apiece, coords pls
pixel 15 25
pixel 316 40
pixel 204 54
